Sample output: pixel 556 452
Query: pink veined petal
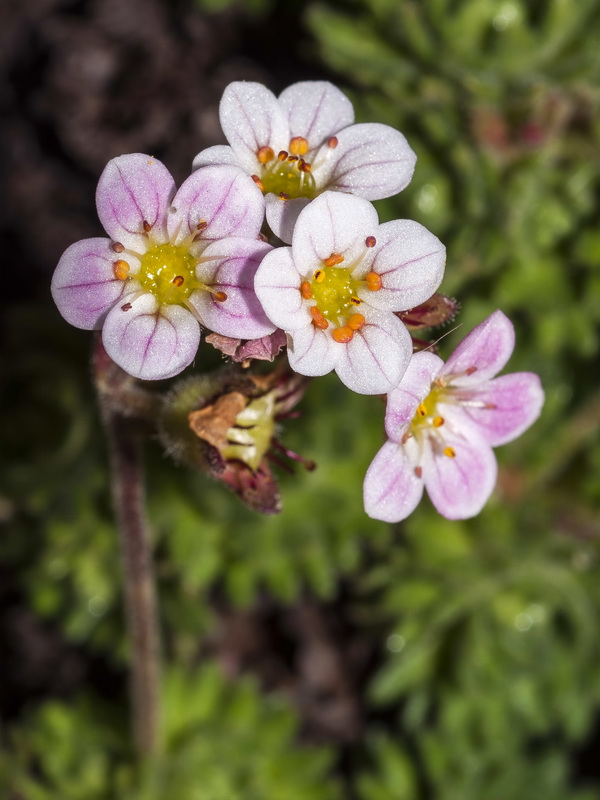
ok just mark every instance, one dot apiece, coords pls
pixel 331 223
pixel 230 267
pixel 219 154
pixel 149 341
pixel 311 351
pixel 282 214
pixel 483 353
pixel 375 360
pixel 316 110
pixel 134 189
pixel 414 387
pixel 251 118
pixel 223 200
pixel 511 403
pixel 459 487
pixel 84 286
pixel 410 261
pixel 391 489
pixel 371 160
pixel 277 285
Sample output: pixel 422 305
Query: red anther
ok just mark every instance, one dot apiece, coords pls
pixel 355 301
pixel 373 281
pixel 370 241
pixel 146 226
pixel 318 318
pixel 356 322
pixel 121 270
pixel 418 471
pixel 178 280
pixel 305 290
pixel 117 247
pixel 304 166
pixel 220 296
pixel 126 307
pixel 283 196
pixel 332 142
pixel 298 146
pixel 202 225
pixel 334 258
pixel 265 154
pixel 292 158
pixel 490 406
pixel 258 182
pixel 319 276
pixel 262 237
pixel 471 370
pixel 343 335
pixel 282 155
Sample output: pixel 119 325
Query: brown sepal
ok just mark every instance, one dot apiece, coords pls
pixel 438 310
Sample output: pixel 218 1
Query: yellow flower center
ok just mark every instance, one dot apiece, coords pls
pixel 286 174
pixel 169 272
pixel 335 293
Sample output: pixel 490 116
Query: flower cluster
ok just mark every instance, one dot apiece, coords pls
pixel 337 292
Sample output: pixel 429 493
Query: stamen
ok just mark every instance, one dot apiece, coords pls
pixel 258 182
pixel 121 270
pixel 265 154
pixel 178 280
pixel 305 290
pixel 298 146
pixel 332 142
pixel 282 155
pixel 117 247
pixel 355 301
pixel 147 227
pixel 126 306
pixel 334 258
pixel 291 159
pixel 438 422
pixel 422 410
pixel 471 370
pixel 202 225
pixel 419 472
pixel 220 296
pixel 318 318
pixel 406 437
pixel 304 166
pixel 319 276
pixel 373 281
pixel 284 196
pixel 343 335
pixel 370 241
pixel 356 322
pixel 449 451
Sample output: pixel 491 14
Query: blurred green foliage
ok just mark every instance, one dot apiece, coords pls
pixel 486 683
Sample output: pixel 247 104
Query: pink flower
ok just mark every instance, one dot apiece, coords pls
pixel 174 259
pixel 335 290
pixel 304 143
pixel 442 422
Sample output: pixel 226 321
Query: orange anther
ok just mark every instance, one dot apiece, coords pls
pixel 418 471
pixel 265 154
pixel 422 410
pixel 356 322
pixel 318 318
pixel 449 451
pixel 178 280
pixel 305 290
pixel 121 270
pixel 343 335
pixel 282 155
pixel 319 276
pixel 332 142
pixel 373 281
pixel 117 247
pixel 220 296
pixel 258 182
pixel 334 258
pixel 298 146
pixel 438 422
pixel 147 227
pixel 370 241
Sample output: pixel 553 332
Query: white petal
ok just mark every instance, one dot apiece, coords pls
pixel 277 285
pixel 282 214
pixel 311 351
pixel 219 154
pixel 316 110
pixel 483 353
pixel 391 489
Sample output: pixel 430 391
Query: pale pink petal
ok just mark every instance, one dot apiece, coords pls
pixel 316 110
pixel 331 223
pixel 459 487
pixel 251 118
pixel 219 154
pixel 504 407
pixel 375 360
pixel 84 286
pixel 414 387
pixel 222 200
pixel 282 214
pixel 311 351
pixel 371 160
pixel 483 353
pixel 149 341
pixel 410 261
pixel 229 266
pixel 135 189
pixel 277 285
pixel 391 489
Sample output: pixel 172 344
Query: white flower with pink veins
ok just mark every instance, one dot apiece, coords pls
pixel 335 291
pixel 303 143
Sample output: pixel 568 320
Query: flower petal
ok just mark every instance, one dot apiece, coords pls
pixel 277 285
pixel 311 351
pixel 414 387
pixel 316 110
pixel 371 160
pixel 410 261
pixel 459 486
pixel 331 223
pixel 149 341
pixel 223 200
pixel 251 118
pixel 230 267
pixel 134 189
pixel 84 286
pixel 375 360
pixel 219 154
pixel 483 353
pixel 391 489
pixel 511 403
pixel 282 214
